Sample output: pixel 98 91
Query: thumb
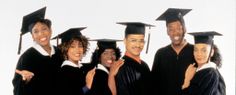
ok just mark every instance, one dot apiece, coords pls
pixel 18 71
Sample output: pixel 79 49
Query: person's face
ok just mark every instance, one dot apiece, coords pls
pixel 201 53
pixel 75 51
pixel 108 57
pixel 134 44
pixel 175 32
pixel 41 34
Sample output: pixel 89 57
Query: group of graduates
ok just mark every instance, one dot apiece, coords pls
pixel 179 68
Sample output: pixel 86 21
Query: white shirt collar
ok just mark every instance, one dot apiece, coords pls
pixel 207 65
pixel 101 67
pixel 69 63
pixel 42 51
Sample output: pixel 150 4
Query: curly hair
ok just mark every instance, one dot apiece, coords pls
pixel 216 58
pixel 95 59
pixel 66 45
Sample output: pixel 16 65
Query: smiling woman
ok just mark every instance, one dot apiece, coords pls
pixel 101 16
pixel 42 60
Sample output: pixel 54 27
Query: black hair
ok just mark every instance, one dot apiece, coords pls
pixel 95 59
pixel 47 22
pixel 216 58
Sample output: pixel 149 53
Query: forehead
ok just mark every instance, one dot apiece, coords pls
pixel 37 24
pixel 174 23
pixel 109 50
pixel 201 45
pixel 135 36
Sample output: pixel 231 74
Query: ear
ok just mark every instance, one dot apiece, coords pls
pixel 212 52
pixel 32 36
pixel 124 41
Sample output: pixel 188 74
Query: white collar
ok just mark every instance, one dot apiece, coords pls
pixel 207 65
pixel 101 67
pixel 42 51
pixel 69 63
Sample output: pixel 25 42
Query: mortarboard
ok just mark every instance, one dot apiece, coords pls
pixel 173 14
pixel 204 37
pixel 136 28
pixel 28 21
pixel 106 43
pixel 70 33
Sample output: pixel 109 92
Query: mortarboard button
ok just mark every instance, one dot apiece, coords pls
pixel 28 21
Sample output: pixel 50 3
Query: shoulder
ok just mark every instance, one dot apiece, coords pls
pixel 29 51
pixel 189 46
pixel 29 54
pixel 164 49
pixel 209 74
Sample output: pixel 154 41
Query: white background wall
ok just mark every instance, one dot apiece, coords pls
pixel 100 17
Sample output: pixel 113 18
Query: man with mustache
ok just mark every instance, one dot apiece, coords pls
pixel 133 75
pixel 171 61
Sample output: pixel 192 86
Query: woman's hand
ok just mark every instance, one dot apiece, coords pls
pixel 115 67
pixel 190 72
pixel 26 75
pixel 89 78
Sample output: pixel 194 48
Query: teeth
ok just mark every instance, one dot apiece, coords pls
pixel 176 38
pixel 109 61
pixel 77 54
pixel 43 39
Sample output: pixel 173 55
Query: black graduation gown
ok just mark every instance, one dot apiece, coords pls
pixel 100 83
pixel 206 82
pixel 72 80
pixel 45 69
pixel 168 69
pixel 132 78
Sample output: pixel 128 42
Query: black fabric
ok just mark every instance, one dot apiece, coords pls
pixel 204 37
pixel 168 69
pixel 206 82
pixel 45 69
pixel 71 80
pixel 132 78
pixel 100 83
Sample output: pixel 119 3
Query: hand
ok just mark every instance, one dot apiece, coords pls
pixel 26 75
pixel 115 67
pixel 89 78
pixel 190 72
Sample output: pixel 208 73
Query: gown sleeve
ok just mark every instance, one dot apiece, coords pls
pixel 204 83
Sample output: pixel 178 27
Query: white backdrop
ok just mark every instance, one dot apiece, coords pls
pixel 100 17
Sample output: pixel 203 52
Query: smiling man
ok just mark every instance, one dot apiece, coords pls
pixel 171 61
pixel 132 77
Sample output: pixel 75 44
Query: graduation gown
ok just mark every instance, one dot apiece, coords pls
pixel 132 78
pixel 207 81
pixel 45 69
pixel 100 81
pixel 71 79
pixel 168 69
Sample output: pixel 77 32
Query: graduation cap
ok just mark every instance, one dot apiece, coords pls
pixel 205 37
pixel 106 43
pixel 70 33
pixel 136 28
pixel 28 22
pixel 173 14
